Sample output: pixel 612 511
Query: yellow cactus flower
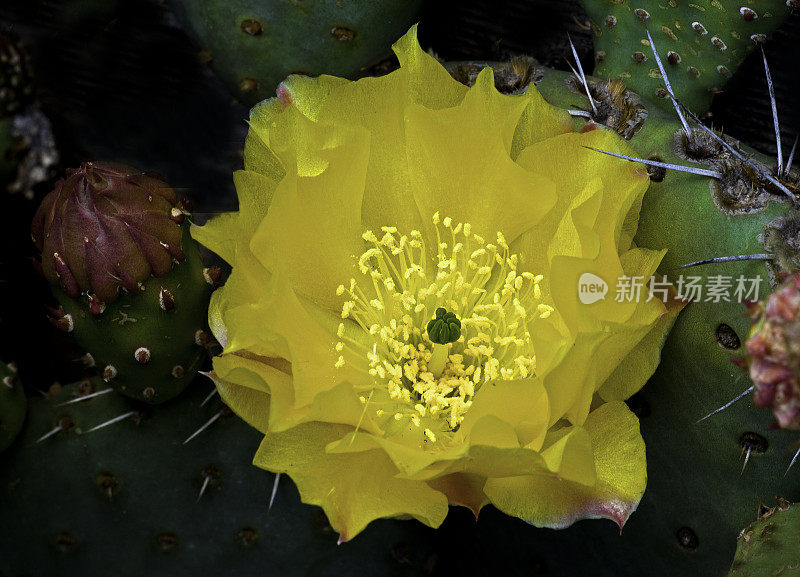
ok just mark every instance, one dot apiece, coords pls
pixel 402 320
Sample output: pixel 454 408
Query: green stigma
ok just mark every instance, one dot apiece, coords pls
pixel 445 328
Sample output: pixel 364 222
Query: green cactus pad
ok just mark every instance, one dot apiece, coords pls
pixel 701 44
pixel 13 405
pixel 254 44
pixel 147 345
pixel 125 499
pixel 770 546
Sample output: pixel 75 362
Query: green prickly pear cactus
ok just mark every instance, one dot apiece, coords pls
pixel 13 405
pixel 702 43
pixel 770 546
pixel 134 498
pixel 130 280
pixel 254 44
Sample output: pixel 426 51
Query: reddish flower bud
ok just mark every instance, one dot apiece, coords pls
pixel 773 352
pixel 106 226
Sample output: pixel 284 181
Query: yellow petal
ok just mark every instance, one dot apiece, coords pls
pixel 492 431
pixel 215 320
pixel 576 235
pixel 492 450
pixel 571 382
pixel 229 232
pixel 341 405
pixel 566 160
pixel 283 326
pixel 460 166
pixel 423 71
pixel 311 345
pixel 353 489
pixel 618 307
pixel 488 461
pixel 252 404
pixel 377 105
pixel 309 94
pixel 575 169
pixel 523 404
pixel 218 234
pixel 257 155
pixel 255 192
pixel 539 121
pixel 571 456
pixel 606 330
pixel 632 372
pixel 313 228
pixel 264 376
pixel 619 460
pixel 408 459
pixel 462 489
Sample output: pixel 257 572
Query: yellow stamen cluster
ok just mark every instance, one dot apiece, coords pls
pixel 476 280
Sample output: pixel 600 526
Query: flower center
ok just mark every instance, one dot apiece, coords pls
pixel 436 332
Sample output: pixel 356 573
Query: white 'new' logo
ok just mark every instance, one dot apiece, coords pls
pixel 591 288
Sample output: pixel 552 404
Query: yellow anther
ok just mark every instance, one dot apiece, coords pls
pixel 347 308
pixel 501 240
pixel 430 435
